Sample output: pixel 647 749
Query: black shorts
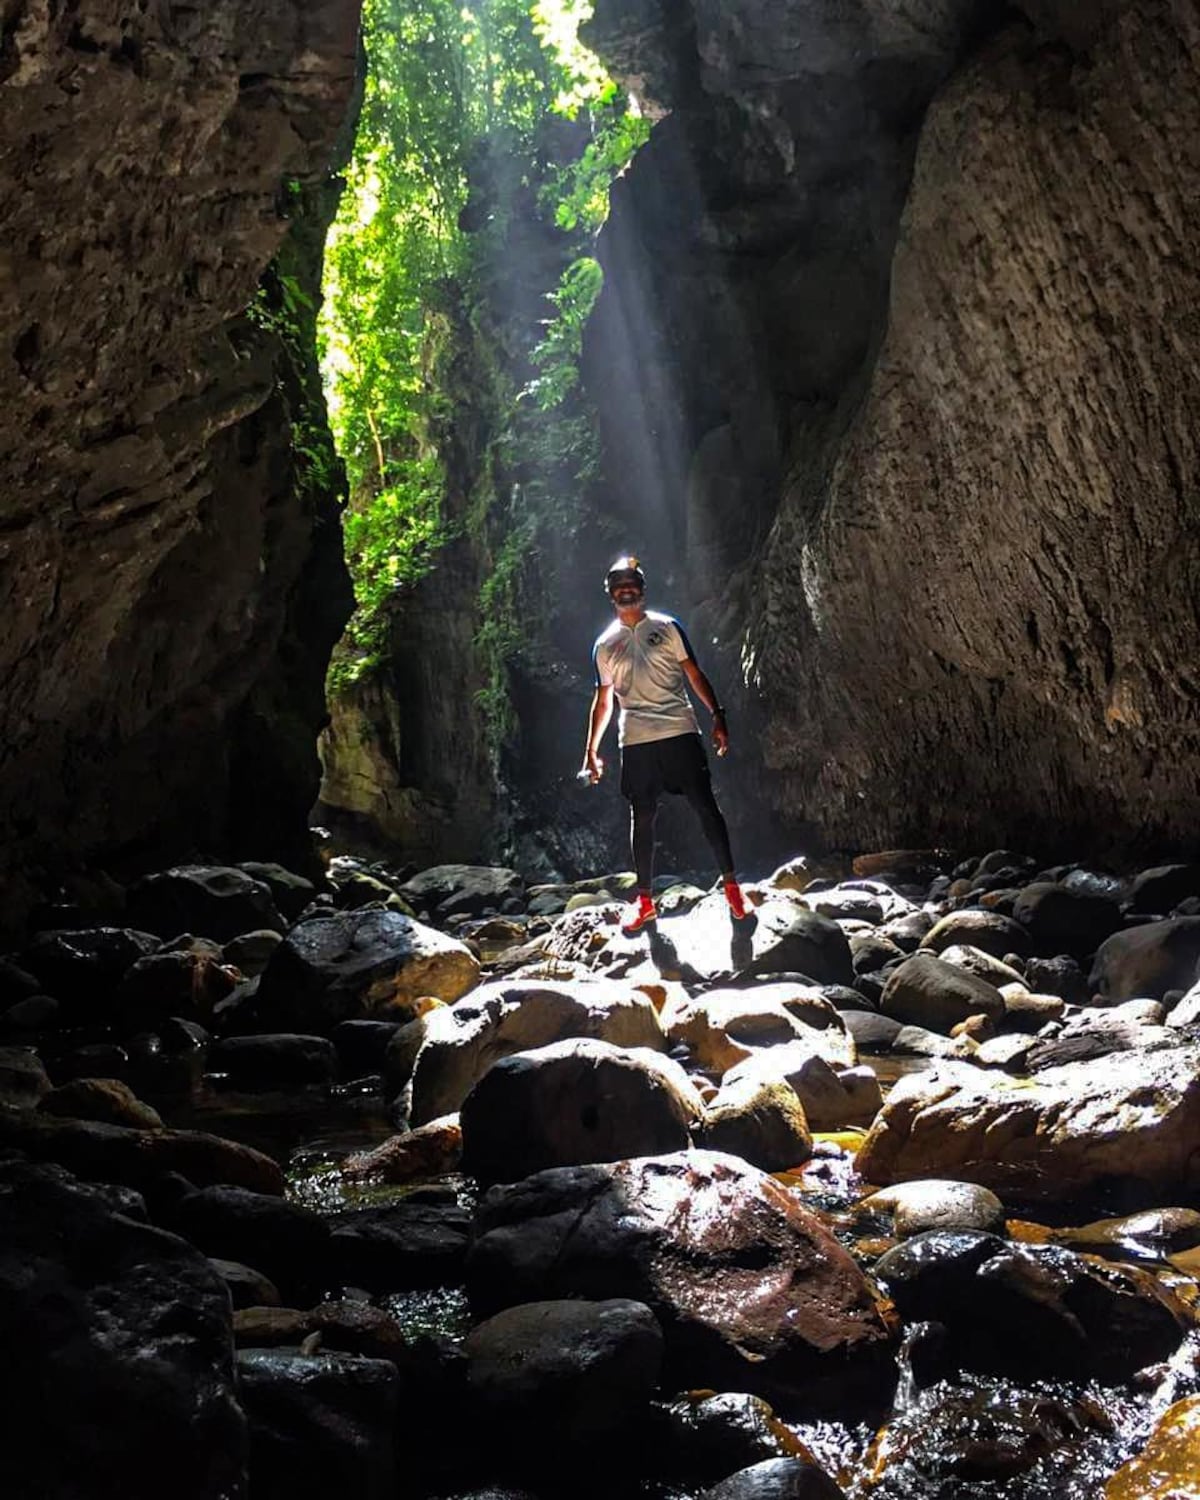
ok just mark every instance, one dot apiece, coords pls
pixel 677 765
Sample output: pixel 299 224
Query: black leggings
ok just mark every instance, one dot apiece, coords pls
pixel 644 810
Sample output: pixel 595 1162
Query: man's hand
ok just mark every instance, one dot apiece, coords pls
pixel 720 733
pixel 592 768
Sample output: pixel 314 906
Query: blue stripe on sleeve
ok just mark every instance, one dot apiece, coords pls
pixel 687 645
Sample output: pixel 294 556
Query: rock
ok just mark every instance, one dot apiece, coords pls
pixel 937 1204
pixel 1157 1232
pixel 1185 1012
pixel 462 890
pixel 290 892
pixel 831 1099
pixel 429 1151
pixel 285 1240
pixel 1027 1014
pixel 760 1120
pixel 83 969
pixel 26 1019
pixel 777 1479
pixel 872 1032
pixel 1161 889
pixel 1008 1052
pixel 449 1050
pixel 320 1424
pixel 751 1290
pixel 1132 1117
pixel 274 1061
pixel 723 1027
pixel 106 1099
pixel 16 983
pixel 216 901
pixel 925 991
pixel 23 1079
pixel 1097 1034
pixel 1145 962
pixel 180 981
pixel 168 1062
pixel 345 965
pixel 869 952
pixel 986 930
pixel 270 1327
pixel 1169 1465
pixel 247 1287
pixel 710 1436
pixel 362 1045
pixel 555 1374
pixel 915 1041
pixel 399 1246
pixel 845 902
pixel 981 964
pixel 1025 1310
pixel 1061 920
pixel 354 889
pixel 907 932
pixel 353 1327
pixel 137 1158
pixel 251 952
pixel 1059 976
pixel 123 1337
pixel 575 1101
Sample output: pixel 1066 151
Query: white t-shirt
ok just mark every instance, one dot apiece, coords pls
pixel 643 664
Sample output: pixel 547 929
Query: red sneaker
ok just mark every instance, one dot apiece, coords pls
pixel 637 914
pixel 739 910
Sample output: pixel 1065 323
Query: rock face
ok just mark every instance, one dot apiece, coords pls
pixel 804 276
pixel 153 550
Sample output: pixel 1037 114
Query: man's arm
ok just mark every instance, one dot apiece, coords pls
pixel 703 690
pixel 601 713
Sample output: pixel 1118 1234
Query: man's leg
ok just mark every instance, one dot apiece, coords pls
pixel 701 797
pixel 643 810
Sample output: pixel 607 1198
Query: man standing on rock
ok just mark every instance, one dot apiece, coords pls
pixel 646 659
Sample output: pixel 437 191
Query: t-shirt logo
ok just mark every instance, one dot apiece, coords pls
pixel 656 639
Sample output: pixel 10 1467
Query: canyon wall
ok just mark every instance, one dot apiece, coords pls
pixel 169 558
pixel 903 305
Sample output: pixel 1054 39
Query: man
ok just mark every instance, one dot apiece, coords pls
pixel 646 661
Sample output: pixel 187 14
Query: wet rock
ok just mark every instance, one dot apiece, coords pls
pixel 106 1099
pixel 274 1061
pixel 399 1246
pixel 777 1479
pixel 1158 891
pixel 724 1027
pixel 251 952
pixel 925 991
pixel 712 1436
pixel 362 1045
pixel 1157 1231
pixel 1169 1465
pixel 1059 919
pixel 23 1079
pixel 1132 1117
pixel 752 1291
pixel 345 965
pixel 428 1151
pixel 189 979
pixel 1145 962
pixel 290 892
pixel 137 1158
pixel 247 1287
pixel 758 1119
pixel 29 1018
pixel 565 1373
pixel 831 1098
pixel 94 1060
pixel 268 1327
pixel 986 930
pixel 1028 1310
pixel 82 969
pixel 353 1327
pixel 917 1207
pixel 575 1101
pixel 449 1050
pixel 215 901
pixel 461 890
pixel 320 1424
pixel 123 1339
pixel 1059 976
pixel 285 1240
pixel 168 1062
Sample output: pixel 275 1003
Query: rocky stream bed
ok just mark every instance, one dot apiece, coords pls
pixel 433 1184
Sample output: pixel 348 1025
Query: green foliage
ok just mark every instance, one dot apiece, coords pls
pixel 475 118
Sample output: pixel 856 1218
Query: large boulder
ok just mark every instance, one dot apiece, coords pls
pixel 462 890
pixel 119 1335
pixel 760 1120
pixel 1133 1117
pixel 214 901
pixel 1145 962
pixel 446 1052
pixel 1161 889
pixel 986 930
pixel 723 1027
pixel 752 1291
pixel 831 1097
pixel 567 1372
pixel 82 969
pixel 285 1240
pixel 925 991
pixel 575 1101
pixel 344 965
pixel 1060 919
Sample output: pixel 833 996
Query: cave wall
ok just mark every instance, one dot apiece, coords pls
pixel 904 305
pixel 169 597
